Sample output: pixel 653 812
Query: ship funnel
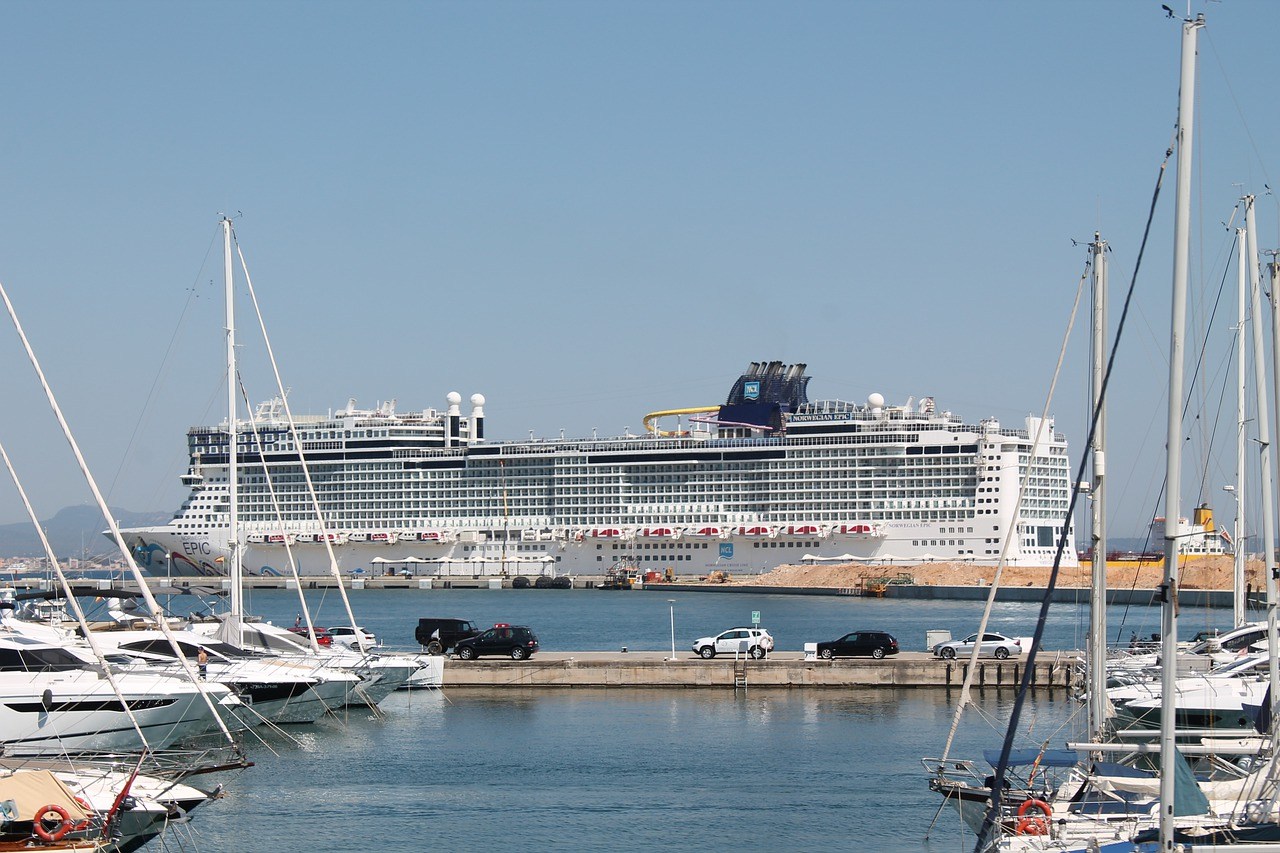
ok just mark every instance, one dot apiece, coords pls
pixel 477 417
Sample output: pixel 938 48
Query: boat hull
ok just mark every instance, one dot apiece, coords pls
pixel 165 551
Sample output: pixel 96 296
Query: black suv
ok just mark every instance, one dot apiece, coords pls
pixel 874 643
pixel 502 639
pixel 440 635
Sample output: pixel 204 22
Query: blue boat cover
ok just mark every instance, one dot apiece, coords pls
pixel 1261 713
pixel 1188 799
pixel 1124 771
pixel 1024 757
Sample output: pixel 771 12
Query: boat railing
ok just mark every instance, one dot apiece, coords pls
pixel 952 768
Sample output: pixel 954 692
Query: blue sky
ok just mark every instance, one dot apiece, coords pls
pixel 589 211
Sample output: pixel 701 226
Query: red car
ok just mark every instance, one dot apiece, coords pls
pixel 322 635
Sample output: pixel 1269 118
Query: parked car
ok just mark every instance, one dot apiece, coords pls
pixel 323 637
pixel 874 643
pixel 441 635
pixel 757 641
pixel 353 638
pixel 516 641
pixel 993 645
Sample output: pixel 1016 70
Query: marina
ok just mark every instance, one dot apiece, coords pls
pixel 930 595
pixel 655 759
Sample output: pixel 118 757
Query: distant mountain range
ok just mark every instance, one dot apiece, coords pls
pixel 75 531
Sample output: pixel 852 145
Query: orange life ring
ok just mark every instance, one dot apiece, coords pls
pixel 1035 824
pixel 64 826
pixel 88 810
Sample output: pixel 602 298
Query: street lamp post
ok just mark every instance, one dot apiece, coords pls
pixel 672 603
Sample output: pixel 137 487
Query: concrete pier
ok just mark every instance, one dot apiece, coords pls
pixel 1053 670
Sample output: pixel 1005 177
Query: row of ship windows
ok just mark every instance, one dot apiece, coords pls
pixel 452 490
pixel 216 443
pixel 643 558
pixel 400 520
pixel 658 474
pixel 536 469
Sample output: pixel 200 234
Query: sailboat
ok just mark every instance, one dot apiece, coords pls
pixel 343 676
pixel 87 807
pixel 1114 808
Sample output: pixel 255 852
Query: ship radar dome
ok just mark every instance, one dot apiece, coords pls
pixel 453 398
pixel 875 401
pixel 477 399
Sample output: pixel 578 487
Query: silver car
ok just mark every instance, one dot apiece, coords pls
pixel 993 645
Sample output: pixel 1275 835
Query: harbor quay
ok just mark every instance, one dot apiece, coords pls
pixel 1052 671
pixel 1141 596
pixel 1216 598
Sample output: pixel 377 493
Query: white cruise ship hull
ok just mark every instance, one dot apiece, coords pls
pixel 770 479
pixel 685 556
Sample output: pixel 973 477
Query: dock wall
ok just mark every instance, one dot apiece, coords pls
pixel 620 670
pixel 1069 595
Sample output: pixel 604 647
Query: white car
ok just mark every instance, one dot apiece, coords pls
pixel 754 641
pixel 347 636
pixel 993 645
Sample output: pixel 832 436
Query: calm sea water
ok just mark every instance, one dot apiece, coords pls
pixel 591 769
pixel 595 620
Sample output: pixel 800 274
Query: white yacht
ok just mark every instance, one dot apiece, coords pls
pixel 53 700
pixel 379 674
pixel 270 689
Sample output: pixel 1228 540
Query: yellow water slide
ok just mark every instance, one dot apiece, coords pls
pixel 649 419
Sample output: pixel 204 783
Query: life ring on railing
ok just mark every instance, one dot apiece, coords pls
pixel 88 810
pixel 1033 824
pixel 64 825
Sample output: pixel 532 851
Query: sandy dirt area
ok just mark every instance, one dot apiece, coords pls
pixel 1197 573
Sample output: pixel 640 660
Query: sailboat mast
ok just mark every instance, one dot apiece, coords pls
pixel 233 531
pixel 1098 528
pixel 1239 604
pixel 1268 507
pixel 1173 466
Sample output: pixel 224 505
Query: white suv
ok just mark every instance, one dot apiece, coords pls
pixel 347 637
pixel 754 641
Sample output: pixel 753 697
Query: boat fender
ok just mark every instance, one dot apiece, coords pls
pixel 64 825
pixel 46 700
pixel 1033 824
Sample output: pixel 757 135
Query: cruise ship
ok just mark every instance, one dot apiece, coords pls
pixel 768 478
